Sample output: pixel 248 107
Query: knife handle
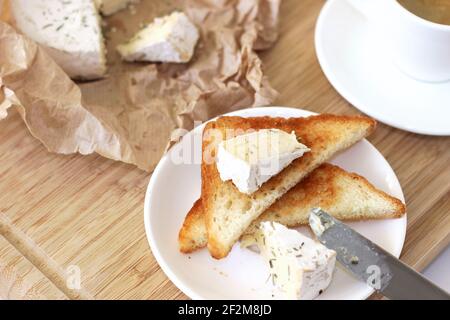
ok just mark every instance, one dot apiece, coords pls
pixel 407 284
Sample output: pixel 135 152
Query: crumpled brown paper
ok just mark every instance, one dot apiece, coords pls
pixel 131 114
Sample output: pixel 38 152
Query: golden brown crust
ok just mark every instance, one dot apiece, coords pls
pixel 399 207
pixel 321 188
pixel 317 132
pixel 189 238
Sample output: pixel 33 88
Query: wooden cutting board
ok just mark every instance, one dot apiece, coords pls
pixel 20 279
pixel 57 212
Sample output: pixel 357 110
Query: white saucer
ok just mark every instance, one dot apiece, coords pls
pixel 174 187
pixel 355 63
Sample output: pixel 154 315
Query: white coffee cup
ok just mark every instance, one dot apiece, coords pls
pixel 420 48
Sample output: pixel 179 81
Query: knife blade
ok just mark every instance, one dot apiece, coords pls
pixel 372 264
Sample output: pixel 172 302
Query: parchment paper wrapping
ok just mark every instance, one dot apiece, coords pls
pixel 132 114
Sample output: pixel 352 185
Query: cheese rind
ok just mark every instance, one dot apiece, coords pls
pixel 167 39
pixel 251 159
pixel 301 268
pixel 108 7
pixel 70 31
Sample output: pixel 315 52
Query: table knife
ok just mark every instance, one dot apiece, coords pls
pixel 372 264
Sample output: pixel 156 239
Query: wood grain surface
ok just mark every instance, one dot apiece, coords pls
pixel 60 211
pixel 20 279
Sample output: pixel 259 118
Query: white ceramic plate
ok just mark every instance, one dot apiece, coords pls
pixel 174 187
pixel 356 63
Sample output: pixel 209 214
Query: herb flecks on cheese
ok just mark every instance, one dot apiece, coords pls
pixel 300 267
pixel 69 30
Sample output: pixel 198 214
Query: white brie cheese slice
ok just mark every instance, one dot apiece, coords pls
pixel 70 31
pixel 300 267
pixel 251 159
pixel 108 7
pixel 167 39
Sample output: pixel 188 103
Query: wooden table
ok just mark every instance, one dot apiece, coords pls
pixel 61 211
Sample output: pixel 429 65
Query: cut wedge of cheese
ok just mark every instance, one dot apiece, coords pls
pixel 70 31
pixel 300 268
pixel 167 39
pixel 228 212
pixel 346 196
pixel 251 159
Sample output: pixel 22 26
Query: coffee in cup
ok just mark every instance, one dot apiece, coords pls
pixel 437 11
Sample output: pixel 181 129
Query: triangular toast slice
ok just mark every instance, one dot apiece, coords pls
pixel 229 212
pixel 346 196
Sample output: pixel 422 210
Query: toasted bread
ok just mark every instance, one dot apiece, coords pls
pixel 346 196
pixel 228 212
pixel 193 234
